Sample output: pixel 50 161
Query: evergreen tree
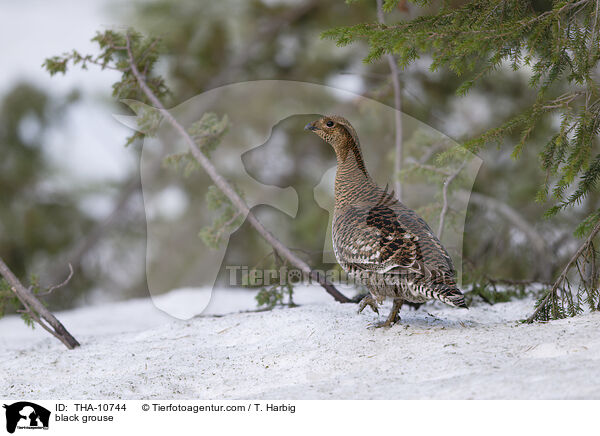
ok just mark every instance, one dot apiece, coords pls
pixel 557 44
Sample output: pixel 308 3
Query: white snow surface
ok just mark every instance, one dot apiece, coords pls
pixel 319 350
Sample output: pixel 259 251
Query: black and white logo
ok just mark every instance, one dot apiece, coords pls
pixel 26 415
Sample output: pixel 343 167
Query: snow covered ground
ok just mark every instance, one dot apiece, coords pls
pixel 319 350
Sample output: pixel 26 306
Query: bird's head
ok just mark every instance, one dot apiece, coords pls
pixel 336 131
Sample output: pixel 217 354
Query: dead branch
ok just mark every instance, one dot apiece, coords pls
pixel 398 112
pixel 60 285
pixel 36 309
pixel 444 210
pixel 227 189
pixel 563 275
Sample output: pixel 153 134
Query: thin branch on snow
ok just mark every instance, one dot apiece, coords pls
pixel 226 188
pixel 35 309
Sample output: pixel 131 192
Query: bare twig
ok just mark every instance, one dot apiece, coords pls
pixel 226 188
pixel 394 73
pixel 444 210
pixel 60 285
pixel 36 309
pixel 563 100
pixel 563 275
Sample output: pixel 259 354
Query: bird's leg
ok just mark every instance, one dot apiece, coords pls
pixel 393 317
pixel 368 300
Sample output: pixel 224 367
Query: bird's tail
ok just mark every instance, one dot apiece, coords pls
pixel 449 294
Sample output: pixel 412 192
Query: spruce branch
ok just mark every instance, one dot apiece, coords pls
pixel 562 278
pixel 222 184
pixel 556 45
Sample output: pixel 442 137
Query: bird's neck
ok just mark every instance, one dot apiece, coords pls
pixel 351 178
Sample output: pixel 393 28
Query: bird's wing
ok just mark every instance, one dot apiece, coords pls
pixel 434 255
pixel 371 241
pixel 386 237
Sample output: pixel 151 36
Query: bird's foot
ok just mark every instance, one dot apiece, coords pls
pixel 393 317
pixel 389 322
pixel 368 301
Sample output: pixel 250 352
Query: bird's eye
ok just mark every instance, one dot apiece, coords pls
pixel 329 124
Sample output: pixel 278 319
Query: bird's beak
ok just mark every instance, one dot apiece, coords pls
pixel 310 126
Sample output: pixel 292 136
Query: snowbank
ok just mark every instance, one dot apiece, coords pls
pixel 318 350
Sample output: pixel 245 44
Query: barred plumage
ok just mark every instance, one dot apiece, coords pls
pixel 378 239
